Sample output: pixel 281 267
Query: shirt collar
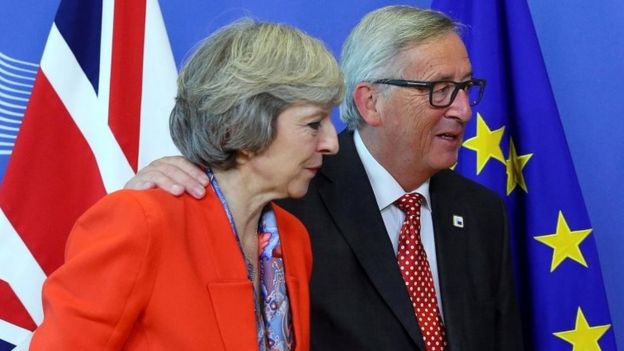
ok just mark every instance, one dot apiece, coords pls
pixel 385 187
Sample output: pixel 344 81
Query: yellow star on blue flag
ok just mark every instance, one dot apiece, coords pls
pixel 583 337
pixel 565 243
pixel 486 143
pixel 514 164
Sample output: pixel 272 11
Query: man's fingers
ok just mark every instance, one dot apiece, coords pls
pixel 173 175
pixel 185 166
pixel 176 175
pixel 138 184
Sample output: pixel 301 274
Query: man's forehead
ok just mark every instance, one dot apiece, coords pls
pixel 438 59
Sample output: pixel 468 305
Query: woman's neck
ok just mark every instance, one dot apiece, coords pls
pixel 244 200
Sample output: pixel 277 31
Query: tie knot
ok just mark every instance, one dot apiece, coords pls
pixel 409 203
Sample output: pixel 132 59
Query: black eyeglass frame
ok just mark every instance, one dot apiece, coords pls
pixel 417 84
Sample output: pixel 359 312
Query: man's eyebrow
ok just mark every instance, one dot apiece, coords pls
pixel 468 76
pixel 450 77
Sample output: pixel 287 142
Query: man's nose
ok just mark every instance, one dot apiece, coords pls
pixel 460 107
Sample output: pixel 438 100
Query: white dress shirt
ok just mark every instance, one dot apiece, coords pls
pixel 387 190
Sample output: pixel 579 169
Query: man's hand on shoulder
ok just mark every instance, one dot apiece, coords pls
pixel 173 174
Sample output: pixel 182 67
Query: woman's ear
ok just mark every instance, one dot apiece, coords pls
pixel 365 97
pixel 243 156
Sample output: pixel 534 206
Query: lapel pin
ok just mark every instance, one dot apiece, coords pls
pixel 458 221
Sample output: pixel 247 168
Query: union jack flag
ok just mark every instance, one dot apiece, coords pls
pixel 98 111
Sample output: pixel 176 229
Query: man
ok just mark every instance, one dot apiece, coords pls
pixel 409 91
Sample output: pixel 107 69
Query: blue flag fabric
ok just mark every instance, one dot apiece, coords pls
pixel 515 145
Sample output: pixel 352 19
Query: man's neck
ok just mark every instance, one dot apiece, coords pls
pixel 401 167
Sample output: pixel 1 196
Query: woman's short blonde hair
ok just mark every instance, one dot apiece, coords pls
pixel 239 80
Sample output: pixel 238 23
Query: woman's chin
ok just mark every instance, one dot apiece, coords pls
pixel 299 192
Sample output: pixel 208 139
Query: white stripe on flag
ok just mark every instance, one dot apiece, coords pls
pixel 159 89
pixel 74 89
pixel 106 57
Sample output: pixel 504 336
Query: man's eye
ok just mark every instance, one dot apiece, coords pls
pixel 315 125
pixel 442 88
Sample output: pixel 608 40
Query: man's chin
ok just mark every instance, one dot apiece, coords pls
pixel 447 162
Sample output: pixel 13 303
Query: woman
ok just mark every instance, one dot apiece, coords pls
pixel 148 271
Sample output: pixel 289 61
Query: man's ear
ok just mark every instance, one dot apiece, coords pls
pixel 365 97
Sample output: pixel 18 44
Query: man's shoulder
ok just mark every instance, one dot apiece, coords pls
pixel 451 182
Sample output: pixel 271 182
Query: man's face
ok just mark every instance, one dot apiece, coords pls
pixel 424 137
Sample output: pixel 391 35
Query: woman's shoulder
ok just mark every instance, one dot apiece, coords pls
pixel 132 210
pixel 157 209
pixel 152 201
pixel 151 197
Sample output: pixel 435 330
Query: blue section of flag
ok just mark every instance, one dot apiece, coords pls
pixel 5 346
pixel 85 43
pixel 4 161
pixel 504 50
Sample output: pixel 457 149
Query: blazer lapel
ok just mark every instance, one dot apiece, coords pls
pixel 298 295
pixel 351 202
pixel 223 268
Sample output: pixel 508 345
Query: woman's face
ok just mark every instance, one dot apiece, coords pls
pixel 304 134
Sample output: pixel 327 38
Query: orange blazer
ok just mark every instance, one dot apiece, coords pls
pixel 150 271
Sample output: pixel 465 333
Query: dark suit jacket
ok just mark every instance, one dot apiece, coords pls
pixel 358 298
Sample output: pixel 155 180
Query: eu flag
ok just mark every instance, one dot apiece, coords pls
pixel 516 146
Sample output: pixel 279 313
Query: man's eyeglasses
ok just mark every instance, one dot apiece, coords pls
pixel 442 93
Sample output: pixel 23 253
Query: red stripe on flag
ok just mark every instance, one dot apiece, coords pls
pixel 13 311
pixel 51 179
pixel 126 77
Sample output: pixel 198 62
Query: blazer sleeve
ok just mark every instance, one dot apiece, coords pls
pixel 93 300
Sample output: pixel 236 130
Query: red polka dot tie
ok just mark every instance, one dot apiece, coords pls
pixel 416 273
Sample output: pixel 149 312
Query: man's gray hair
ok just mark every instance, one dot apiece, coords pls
pixel 239 80
pixel 373 47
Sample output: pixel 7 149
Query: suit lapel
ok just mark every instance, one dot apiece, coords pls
pixel 351 203
pixel 452 227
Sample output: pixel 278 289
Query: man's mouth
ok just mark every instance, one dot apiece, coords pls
pixel 449 136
